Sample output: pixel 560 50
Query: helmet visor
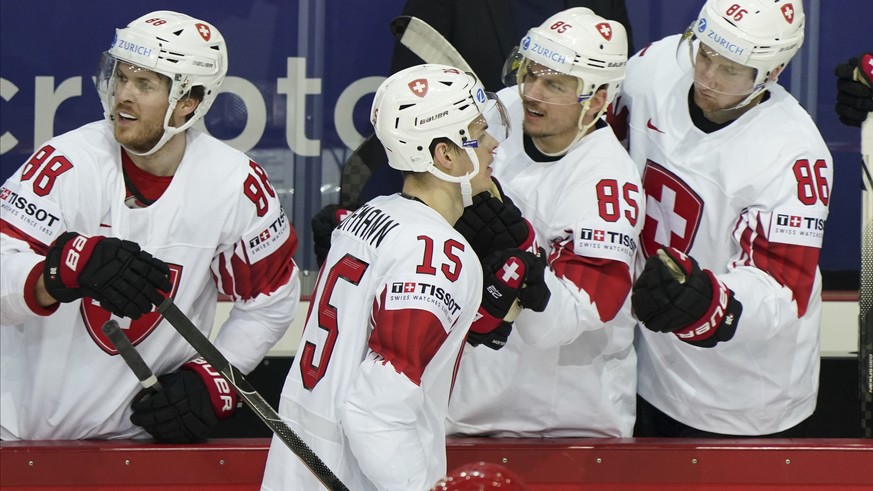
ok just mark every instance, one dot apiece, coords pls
pixel 713 71
pixel 543 84
pixel 493 122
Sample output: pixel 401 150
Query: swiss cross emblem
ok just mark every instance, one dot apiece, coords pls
pixel 418 87
pixel 673 211
pixel 510 272
pixel 408 287
pixel 204 30
pixel 95 316
pixel 605 30
pixel 788 12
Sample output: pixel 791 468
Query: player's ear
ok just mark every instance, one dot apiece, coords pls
pixel 443 156
pixel 597 102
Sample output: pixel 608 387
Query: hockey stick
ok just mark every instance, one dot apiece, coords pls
pixel 131 356
pixel 259 405
pixel 865 300
pixel 429 45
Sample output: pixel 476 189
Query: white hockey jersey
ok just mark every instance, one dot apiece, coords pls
pixel 219 227
pixel 369 388
pixel 749 202
pixel 571 370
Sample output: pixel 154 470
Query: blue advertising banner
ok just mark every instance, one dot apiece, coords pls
pixel 302 75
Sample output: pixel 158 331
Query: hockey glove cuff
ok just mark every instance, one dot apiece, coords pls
pixel 192 401
pixel 674 295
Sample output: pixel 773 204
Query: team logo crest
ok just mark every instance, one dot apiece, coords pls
pixel 788 13
pixel 204 31
pixel 673 211
pixel 418 87
pixel 605 30
pixel 95 316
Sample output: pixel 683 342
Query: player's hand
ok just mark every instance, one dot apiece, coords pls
pixel 126 280
pixel 494 339
pixel 674 295
pixel 490 224
pixel 192 401
pixel 854 98
pixel 506 274
pixel 323 224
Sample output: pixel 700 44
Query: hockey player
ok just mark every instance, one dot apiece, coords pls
pixel 369 388
pixel 79 215
pixel 571 369
pixel 737 181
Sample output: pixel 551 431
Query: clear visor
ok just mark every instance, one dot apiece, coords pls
pixel 492 122
pixel 105 74
pixel 714 72
pixel 541 83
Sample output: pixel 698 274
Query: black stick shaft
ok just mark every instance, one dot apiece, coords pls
pixel 259 405
pixel 130 355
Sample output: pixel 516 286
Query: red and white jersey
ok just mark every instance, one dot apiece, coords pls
pixel 219 227
pixel 571 370
pixel 369 388
pixel 749 202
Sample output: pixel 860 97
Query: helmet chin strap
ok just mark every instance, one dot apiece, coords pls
pixel 169 132
pixel 583 130
pixel 466 187
pixel 464 181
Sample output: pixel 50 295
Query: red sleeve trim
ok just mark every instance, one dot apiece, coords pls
pixel 408 339
pixel 30 292
pixel 793 266
pixel 606 281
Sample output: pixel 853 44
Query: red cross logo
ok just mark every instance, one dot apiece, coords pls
pixel 605 30
pixel 204 31
pixel 599 235
pixel 794 221
pixel 673 211
pixel 408 287
pixel 418 87
pixel 788 12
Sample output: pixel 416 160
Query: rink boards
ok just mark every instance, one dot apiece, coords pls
pixel 552 464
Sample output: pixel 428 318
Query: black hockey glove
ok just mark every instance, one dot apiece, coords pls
pixel 494 339
pixel 126 280
pixel 674 295
pixel 854 93
pixel 490 224
pixel 323 224
pixel 507 275
pixel 190 403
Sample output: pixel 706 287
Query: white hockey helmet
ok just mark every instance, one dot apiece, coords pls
pixel 189 51
pixel 419 104
pixel 762 34
pixel 579 43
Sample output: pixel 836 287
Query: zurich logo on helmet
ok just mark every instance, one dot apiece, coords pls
pixel 701 26
pixel 480 96
pixel 525 43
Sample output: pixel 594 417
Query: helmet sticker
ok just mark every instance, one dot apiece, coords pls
pixel 204 31
pixel 418 87
pixel 605 30
pixel 788 13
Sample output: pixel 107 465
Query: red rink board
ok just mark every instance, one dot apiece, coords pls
pixel 546 464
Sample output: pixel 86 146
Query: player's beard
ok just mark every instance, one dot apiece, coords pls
pixel 711 101
pixel 555 123
pixel 140 136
